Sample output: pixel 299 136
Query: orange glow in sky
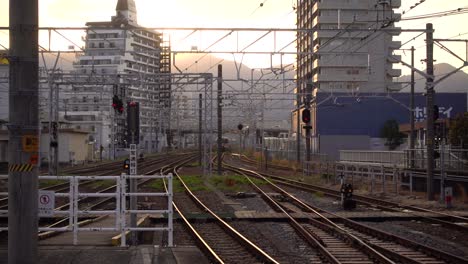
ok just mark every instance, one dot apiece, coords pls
pixel 232 13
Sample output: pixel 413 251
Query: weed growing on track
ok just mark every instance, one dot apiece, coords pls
pixel 233 182
pixel 47 183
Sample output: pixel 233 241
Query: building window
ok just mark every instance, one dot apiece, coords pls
pixel 101 45
pixel 112 45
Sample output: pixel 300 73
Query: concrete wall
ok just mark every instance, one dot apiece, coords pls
pixel 331 145
pixel 72 146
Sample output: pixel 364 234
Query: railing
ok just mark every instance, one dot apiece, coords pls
pixel 120 212
pixel 453 159
pixel 381 157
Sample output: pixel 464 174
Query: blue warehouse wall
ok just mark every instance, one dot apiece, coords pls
pixel 363 115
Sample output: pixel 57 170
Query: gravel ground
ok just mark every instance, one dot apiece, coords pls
pixel 279 240
pixel 430 235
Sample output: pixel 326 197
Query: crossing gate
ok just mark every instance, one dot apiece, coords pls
pixel 120 212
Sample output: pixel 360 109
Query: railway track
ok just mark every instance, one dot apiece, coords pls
pixel 219 241
pixel 390 248
pixel 88 203
pixel 114 169
pixel 451 221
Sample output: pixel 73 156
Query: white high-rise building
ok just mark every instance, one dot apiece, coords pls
pixel 341 58
pixel 118 48
pixel 345 46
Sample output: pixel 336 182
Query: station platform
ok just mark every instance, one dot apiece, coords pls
pixel 115 255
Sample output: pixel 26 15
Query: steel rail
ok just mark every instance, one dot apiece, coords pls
pixel 374 202
pixel 258 252
pixel 371 252
pixel 312 239
pixel 378 233
pixel 92 206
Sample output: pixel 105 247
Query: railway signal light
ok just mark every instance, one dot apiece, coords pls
pixel 126 165
pixel 117 104
pixel 133 122
pixel 306 115
pixel 240 126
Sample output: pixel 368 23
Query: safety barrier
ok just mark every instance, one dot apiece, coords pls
pixel 120 212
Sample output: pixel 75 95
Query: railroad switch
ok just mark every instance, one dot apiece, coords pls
pixel 347 197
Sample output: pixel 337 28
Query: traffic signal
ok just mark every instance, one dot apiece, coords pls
pixel 126 165
pixel 133 122
pixel 115 101
pixel 240 126
pixel 117 104
pixel 306 115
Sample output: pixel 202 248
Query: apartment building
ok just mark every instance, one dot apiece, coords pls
pixel 344 46
pixel 118 48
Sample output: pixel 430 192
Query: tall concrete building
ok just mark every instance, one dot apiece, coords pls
pixel 117 48
pixel 344 46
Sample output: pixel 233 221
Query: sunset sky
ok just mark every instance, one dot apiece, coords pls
pixel 233 13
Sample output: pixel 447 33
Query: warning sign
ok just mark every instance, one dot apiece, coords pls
pixel 30 143
pixel 46 203
pixel 33 159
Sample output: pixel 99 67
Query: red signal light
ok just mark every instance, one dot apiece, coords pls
pixel 306 116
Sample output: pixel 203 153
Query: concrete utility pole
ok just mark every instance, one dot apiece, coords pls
pixel 200 120
pixel 412 135
pixel 308 124
pixel 298 129
pixel 220 117
pixel 430 111
pixel 23 144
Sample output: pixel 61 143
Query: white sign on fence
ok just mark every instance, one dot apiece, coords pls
pixel 46 203
pixel 133 159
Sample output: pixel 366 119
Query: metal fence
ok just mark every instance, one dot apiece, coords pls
pixel 451 159
pixel 120 212
pixel 381 157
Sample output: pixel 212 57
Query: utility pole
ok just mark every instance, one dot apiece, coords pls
pixel 430 111
pixel 23 132
pixel 200 120
pixel 298 128
pixel 308 126
pixel 442 163
pixel 412 135
pixel 220 117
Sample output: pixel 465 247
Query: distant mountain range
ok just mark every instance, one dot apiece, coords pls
pixel 458 82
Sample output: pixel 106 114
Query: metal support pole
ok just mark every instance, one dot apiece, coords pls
pixel 442 167
pixel 411 139
pixel 200 124
pixel 170 233
pixel 75 209
pixel 220 117
pixel 133 198
pixel 308 125
pixel 383 181
pixel 24 123
pixel 123 206
pixel 298 129
pixel 430 111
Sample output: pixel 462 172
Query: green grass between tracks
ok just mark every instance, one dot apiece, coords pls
pixel 228 183
pixel 232 183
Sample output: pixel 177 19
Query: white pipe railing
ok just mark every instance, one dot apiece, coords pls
pixel 121 212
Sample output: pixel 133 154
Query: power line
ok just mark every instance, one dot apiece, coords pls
pixel 458 11
pixel 413 7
